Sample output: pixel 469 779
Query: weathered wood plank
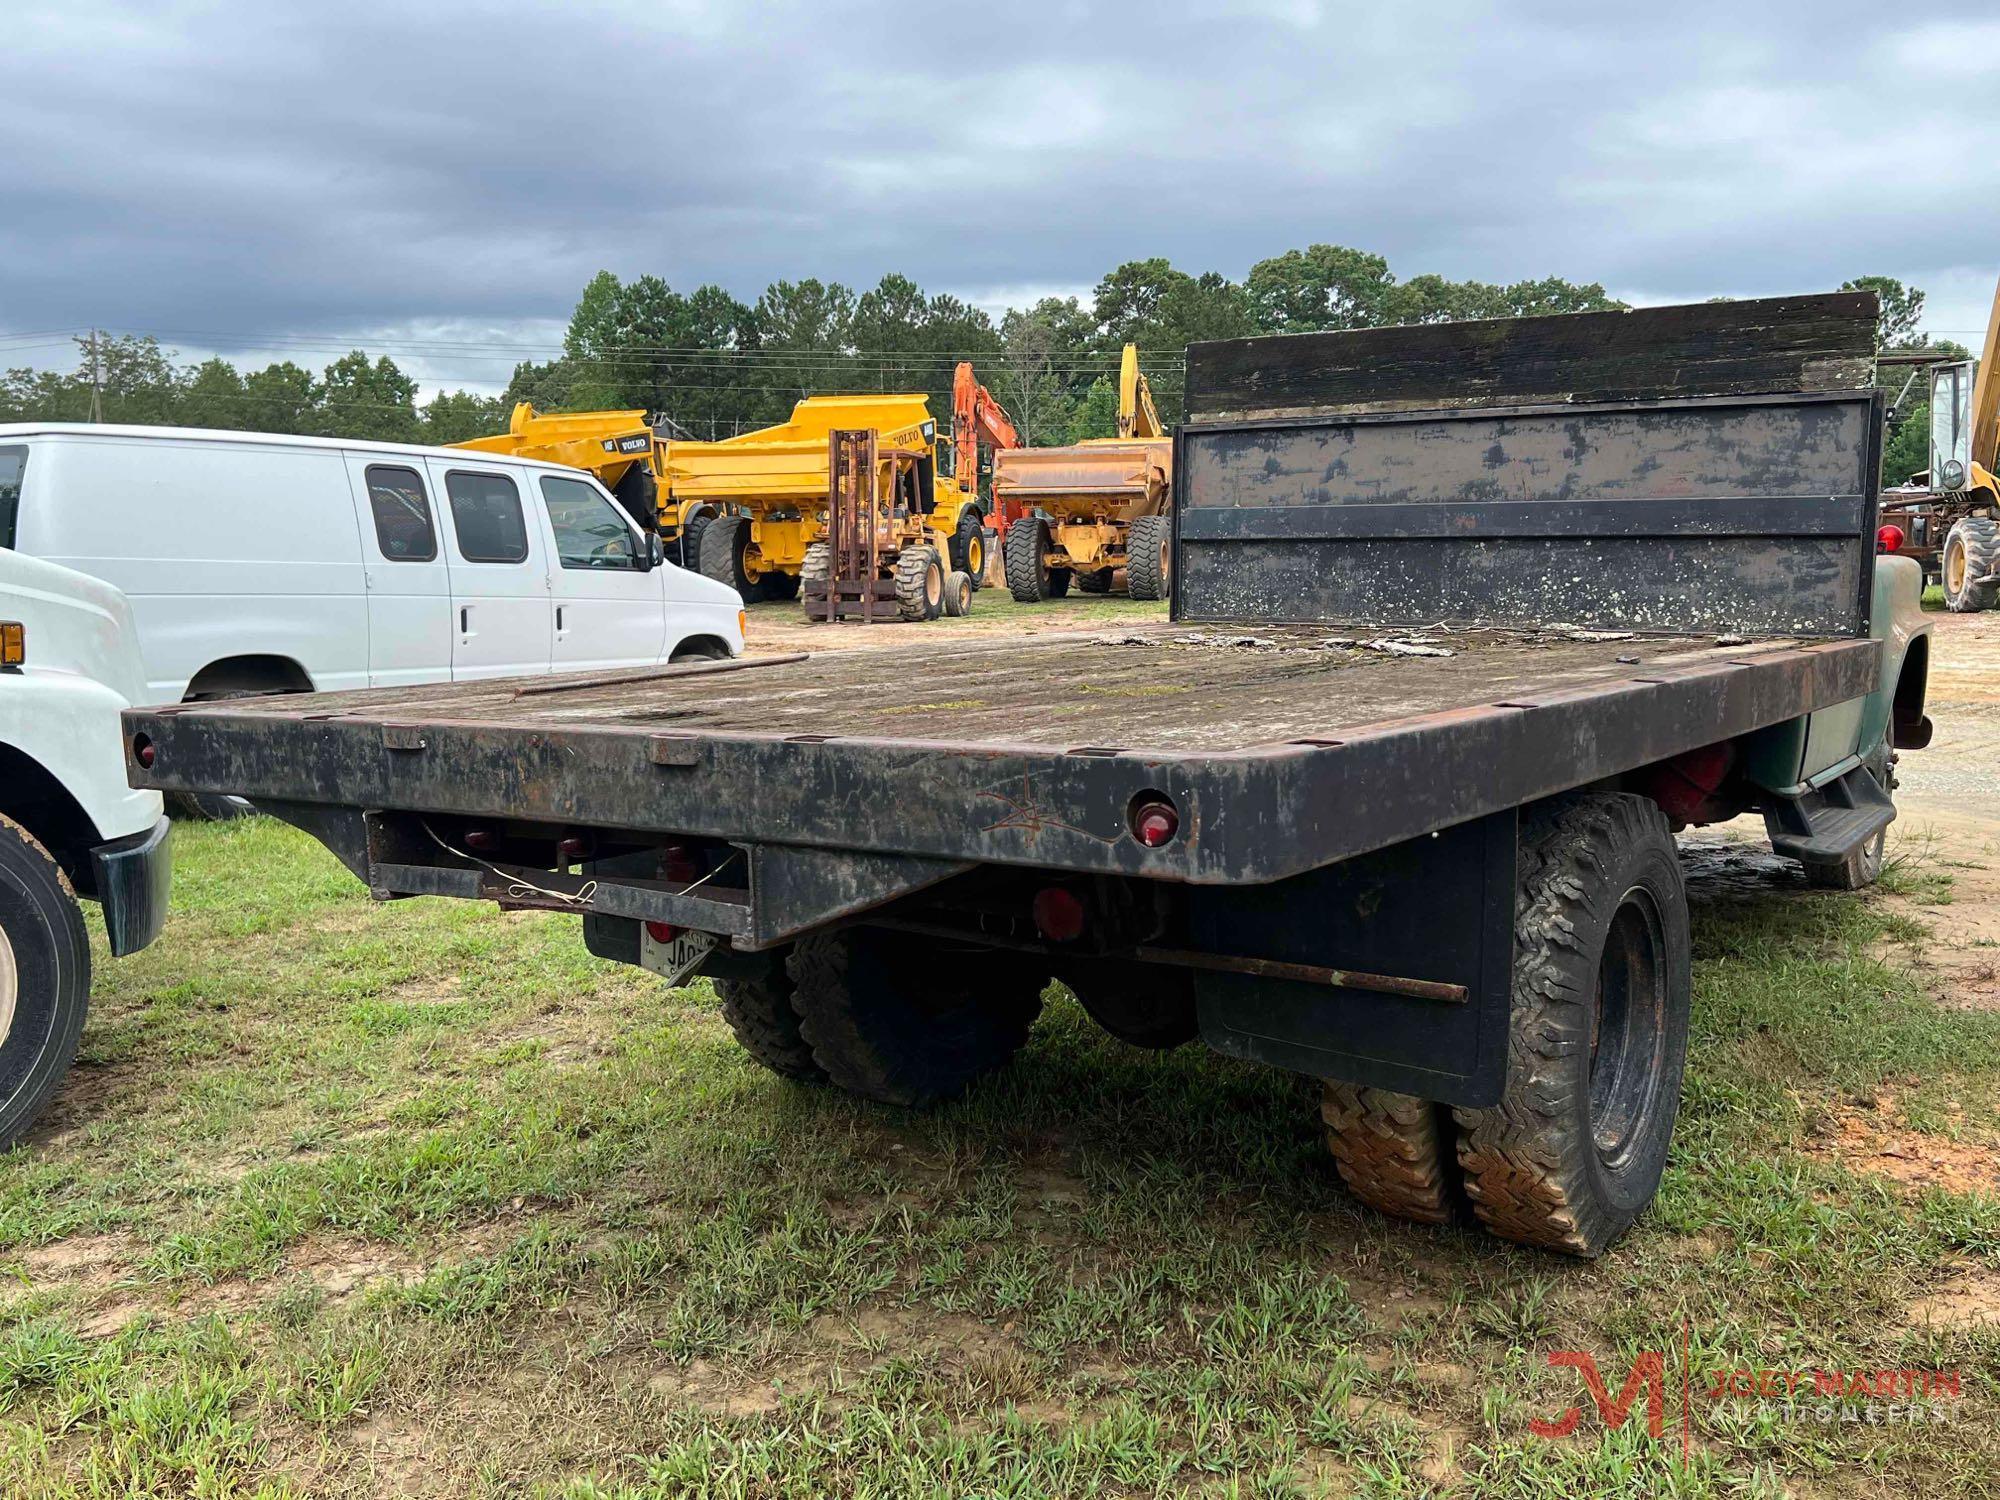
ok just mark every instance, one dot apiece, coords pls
pixel 1813 343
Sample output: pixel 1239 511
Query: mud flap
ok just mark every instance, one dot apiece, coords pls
pixel 1438 909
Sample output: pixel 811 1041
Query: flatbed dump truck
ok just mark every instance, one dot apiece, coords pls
pixel 1467 621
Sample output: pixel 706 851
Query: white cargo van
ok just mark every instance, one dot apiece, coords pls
pixel 259 563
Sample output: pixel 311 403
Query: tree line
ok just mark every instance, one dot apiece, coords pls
pixel 708 364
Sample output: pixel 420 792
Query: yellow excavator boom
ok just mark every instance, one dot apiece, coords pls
pixel 1986 395
pixel 1137 416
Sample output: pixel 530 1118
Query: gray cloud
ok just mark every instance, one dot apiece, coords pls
pixel 226 173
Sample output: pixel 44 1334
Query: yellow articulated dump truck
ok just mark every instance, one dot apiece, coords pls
pixel 1087 510
pixel 619 447
pixel 744 510
pixel 767 490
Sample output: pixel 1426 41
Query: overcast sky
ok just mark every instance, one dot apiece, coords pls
pixel 273 179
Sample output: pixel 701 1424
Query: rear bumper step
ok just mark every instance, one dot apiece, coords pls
pixel 1827 825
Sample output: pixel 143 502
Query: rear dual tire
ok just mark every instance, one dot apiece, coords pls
pixel 884 1015
pixel 1597 1044
pixel 892 1019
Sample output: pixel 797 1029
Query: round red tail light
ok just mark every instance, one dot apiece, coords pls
pixel 143 752
pixel 1154 819
pixel 662 932
pixel 1889 539
pixel 1059 914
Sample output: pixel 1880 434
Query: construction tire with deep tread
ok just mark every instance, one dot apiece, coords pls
pixel 1147 564
pixel 957 594
pixel 723 543
pixel 1396 1153
pixel 813 575
pixel 892 1018
pixel 760 1011
pixel 1597 1038
pixel 1095 581
pixel 689 541
pixel 968 546
pixel 919 584
pixel 1971 553
pixel 1025 553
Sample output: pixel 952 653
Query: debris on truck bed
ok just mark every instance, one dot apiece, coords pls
pixel 1248 689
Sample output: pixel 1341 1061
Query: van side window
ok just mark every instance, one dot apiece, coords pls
pixel 13 463
pixel 589 533
pixel 402 514
pixel 486 514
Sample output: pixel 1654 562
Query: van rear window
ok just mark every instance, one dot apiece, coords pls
pixel 402 514
pixel 13 464
pixel 486 514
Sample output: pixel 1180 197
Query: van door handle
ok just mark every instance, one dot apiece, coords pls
pixel 465 619
pixel 559 619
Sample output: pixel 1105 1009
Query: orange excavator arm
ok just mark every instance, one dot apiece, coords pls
pixel 976 417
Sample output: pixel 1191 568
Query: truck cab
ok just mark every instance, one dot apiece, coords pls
pixel 69 824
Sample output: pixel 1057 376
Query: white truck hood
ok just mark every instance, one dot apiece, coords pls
pixel 75 624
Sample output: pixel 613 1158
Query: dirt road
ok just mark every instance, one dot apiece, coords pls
pixel 1950 812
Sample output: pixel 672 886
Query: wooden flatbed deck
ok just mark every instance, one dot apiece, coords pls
pixel 1156 688
pixel 1286 748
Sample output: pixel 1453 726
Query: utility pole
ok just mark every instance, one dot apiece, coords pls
pixel 96 382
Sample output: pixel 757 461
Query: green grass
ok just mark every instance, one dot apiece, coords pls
pixel 994 610
pixel 419 1198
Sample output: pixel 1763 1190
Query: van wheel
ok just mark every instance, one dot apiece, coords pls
pixel 893 1018
pixel 215 807
pixel 44 979
pixel 1597 1039
pixel 212 807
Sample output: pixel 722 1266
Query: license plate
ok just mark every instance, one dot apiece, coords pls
pixel 677 958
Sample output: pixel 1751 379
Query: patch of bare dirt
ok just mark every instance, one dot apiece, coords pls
pixel 724 1394
pixel 431 989
pixel 342 1267
pixel 1971 1299
pixel 1870 1136
pixel 82 1260
pixel 397 1454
